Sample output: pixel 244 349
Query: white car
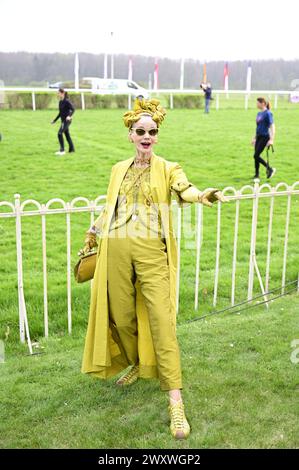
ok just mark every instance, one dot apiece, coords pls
pixel 115 86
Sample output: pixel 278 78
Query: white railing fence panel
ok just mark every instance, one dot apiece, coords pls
pixel 255 193
pixel 245 95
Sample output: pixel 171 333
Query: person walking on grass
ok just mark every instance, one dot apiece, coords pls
pixel 207 89
pixel 66 111
pixel 264 137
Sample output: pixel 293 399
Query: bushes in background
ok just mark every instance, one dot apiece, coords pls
pixel 44 100
pixel 186 101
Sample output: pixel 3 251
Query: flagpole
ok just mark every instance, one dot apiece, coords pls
pixel 112 57
pixel 156 75
pixel 105 65
pixel 182 73
pixel 130 78
pixel 248 78
pixel 226 79
pixel 76 70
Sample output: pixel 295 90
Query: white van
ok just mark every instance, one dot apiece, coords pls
pixel 115 86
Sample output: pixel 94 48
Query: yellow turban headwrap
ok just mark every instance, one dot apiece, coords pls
pixel 142 106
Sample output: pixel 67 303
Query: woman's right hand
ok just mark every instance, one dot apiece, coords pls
pixel 90 242
pixel 253 141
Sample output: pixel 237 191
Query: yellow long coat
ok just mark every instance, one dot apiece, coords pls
pixel 103 356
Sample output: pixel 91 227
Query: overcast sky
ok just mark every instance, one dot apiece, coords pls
pixel 225 30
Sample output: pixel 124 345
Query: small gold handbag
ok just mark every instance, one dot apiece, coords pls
pixel 85 268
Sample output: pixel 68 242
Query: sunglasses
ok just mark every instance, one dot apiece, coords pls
pixel 152 132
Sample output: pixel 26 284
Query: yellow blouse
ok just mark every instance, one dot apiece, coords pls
pixel 135 203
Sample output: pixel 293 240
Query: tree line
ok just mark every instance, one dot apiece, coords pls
pixel 39 69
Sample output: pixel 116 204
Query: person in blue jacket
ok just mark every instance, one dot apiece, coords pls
pixel 66 111
pixel 264 136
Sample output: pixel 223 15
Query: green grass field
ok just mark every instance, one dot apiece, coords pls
pixel 241 388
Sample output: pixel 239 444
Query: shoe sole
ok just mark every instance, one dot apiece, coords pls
pixel 273 173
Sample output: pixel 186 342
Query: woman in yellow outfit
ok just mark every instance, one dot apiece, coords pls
pixel 132 315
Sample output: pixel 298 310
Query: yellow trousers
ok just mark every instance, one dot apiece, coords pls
pixel 145 259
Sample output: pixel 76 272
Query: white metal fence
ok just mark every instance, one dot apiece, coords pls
pixel 255 193
pixel 218 94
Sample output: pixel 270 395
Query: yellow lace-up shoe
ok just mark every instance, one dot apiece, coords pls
pixel 129 377
pixel 179 425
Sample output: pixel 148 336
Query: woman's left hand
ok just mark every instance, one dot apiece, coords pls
pixel 213 195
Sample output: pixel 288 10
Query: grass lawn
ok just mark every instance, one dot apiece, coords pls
pixel 240 387
pixel 240 395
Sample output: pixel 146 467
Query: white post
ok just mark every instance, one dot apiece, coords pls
pixel 182 74
pixel 45 281
pixel 179 236
pixel 269 244
pixel 217 101
pixel 217 254
pixel 286 239
pixel 23 321
pixel 82 101
pixel 129 101
pixel 19 267
pixel 105 65
pixel 112 54
pixel 171 100
pixel 275 101
pixel 33 101
pixel 198 250
pixel 253 239
pixel 235 251
pixel 68 260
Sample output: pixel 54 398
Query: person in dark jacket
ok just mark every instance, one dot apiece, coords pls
pixel 264 136
pixel 66 111
pixel 207 89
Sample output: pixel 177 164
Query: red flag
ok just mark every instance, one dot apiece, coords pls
pixel 225 73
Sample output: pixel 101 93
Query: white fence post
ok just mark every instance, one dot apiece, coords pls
pixel 171 100
pixel 217 101
pixel 198 251
pixel 23 321
pixel 68 258
pixel 217 254
pixel 33 101
pixel 275 101
pixel 269 244
pixel 235 251
pixel 179 236
pixel 286 239
pixel 19 267
pixel 253 239
pixel 82 101
pixel 45 280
